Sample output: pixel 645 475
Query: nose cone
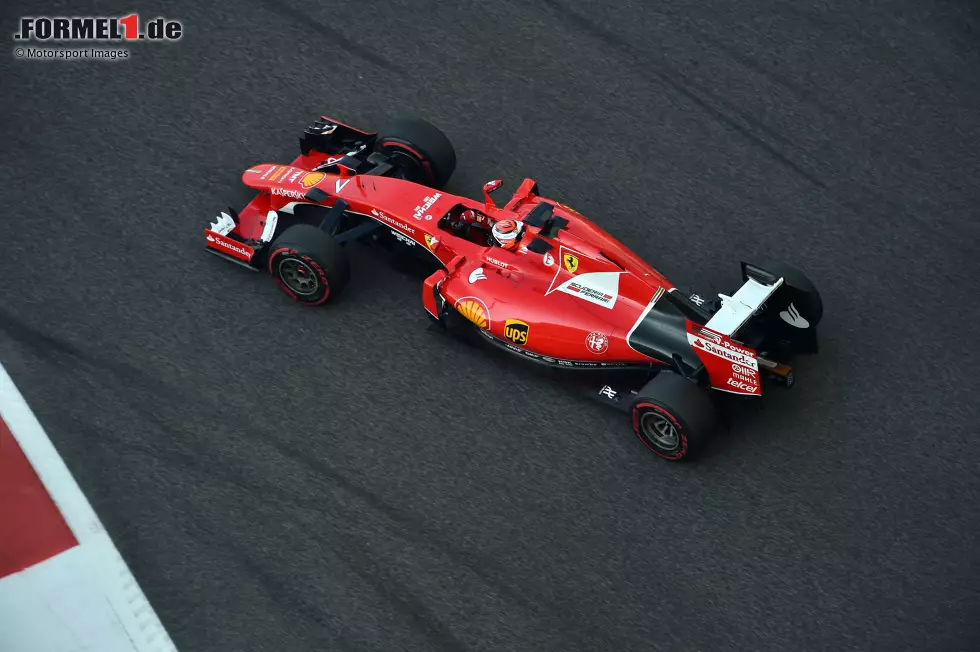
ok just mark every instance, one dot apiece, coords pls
pixel 286 180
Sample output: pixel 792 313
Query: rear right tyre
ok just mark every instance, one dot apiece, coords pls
pixel 419 150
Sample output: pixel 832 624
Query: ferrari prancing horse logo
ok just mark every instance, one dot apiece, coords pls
pixel 571 263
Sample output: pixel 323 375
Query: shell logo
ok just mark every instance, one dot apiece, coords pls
pixel 312 179
pixel 475 311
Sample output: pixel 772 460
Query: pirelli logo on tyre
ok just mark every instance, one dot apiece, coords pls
pixel 516 331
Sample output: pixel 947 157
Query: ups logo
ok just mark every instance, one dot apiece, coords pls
pixel 516 331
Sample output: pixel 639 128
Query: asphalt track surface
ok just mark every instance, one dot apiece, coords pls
pixel 289 479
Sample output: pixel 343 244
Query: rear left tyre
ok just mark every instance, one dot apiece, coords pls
pixel 309 265
pixel 673 417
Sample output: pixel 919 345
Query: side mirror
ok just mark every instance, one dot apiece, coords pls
pixel 489 188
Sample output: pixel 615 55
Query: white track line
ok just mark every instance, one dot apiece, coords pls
pixel 84 599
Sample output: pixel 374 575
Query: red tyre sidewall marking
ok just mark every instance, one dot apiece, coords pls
pixel 680 431
pixel 323 279
pixel 275 273
pixel 425 161
pixel 309 261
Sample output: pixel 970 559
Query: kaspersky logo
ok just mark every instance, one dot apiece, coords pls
pixel 62 29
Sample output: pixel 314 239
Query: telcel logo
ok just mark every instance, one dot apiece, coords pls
pixel 737 384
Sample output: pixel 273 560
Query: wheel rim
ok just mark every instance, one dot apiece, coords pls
pixel 660 431
pixel 298 277
pixel 410 167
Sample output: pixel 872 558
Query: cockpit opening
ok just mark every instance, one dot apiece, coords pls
pixel 467 223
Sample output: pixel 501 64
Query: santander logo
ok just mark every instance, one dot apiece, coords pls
pixel 224 244
pixel 736 356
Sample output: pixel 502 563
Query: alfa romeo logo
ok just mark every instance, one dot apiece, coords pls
pixel 597 342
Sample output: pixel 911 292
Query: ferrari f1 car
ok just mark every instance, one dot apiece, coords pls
pixel 570 296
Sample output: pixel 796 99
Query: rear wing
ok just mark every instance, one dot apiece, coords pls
pixel 759 317
pixel 739 308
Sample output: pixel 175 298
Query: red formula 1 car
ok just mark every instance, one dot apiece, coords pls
pixel 533 276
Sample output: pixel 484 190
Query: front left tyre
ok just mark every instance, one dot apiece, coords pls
pixel 309 265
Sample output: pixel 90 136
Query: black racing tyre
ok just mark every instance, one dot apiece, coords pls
pixel 309 265
pixel 419 149
pixel 673 417
pixel 811 308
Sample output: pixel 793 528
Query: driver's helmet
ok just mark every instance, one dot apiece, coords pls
pixel 507 233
